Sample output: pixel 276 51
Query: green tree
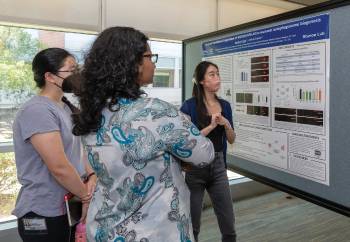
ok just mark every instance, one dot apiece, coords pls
pixel 8 177
pixel 9 186
pixel 17 48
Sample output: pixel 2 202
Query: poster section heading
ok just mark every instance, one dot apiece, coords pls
pixel 308 29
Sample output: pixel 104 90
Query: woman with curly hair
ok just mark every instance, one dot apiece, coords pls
pixel 132 142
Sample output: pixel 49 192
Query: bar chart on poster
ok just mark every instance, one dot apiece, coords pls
pixel 274 79
pixel 280 77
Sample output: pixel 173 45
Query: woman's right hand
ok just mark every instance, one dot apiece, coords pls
pixel 86 199
pixel 214 120
pixel 213 123
pixel 186 167
pixel 88 195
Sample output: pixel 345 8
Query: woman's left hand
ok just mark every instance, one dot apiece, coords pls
pixel 84 211
pixel 223 121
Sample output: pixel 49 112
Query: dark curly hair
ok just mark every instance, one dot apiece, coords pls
pixel 110 72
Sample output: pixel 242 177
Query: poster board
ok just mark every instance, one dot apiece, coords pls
pixel 286 79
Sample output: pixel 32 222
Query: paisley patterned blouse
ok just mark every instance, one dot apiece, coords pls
pixel 141 194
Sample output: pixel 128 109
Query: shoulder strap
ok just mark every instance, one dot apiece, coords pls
pixel 71 106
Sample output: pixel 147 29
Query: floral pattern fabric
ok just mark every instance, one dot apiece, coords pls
pixel 141 195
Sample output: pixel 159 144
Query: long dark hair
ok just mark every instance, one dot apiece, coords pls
pixel 198 91
pixel 110 72
pixel 48 60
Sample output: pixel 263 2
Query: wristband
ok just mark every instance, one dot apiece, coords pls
pixel 87 177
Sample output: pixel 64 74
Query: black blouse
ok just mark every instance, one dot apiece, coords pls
pixel 216 135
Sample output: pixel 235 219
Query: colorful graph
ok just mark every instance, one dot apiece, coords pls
pixel 304 95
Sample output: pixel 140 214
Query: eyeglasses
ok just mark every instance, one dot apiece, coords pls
pixel 75 70
pixel 154 57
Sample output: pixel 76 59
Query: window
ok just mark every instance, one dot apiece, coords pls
pixel 163 78
pixel 17 49
pixel 164 74
pixel 166 62
pixel 9 186
pixel 18 46
pixel 167 77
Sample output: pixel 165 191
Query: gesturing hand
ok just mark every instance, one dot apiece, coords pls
pixel 223 121
pixel 214 120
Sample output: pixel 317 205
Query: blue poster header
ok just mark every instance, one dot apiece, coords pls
pixel 305 30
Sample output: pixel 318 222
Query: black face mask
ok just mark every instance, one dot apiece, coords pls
pixel 70 84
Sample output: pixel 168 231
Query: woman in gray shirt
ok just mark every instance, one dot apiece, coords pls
pixel 47 155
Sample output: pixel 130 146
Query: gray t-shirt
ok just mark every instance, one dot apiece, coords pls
pixel 40 192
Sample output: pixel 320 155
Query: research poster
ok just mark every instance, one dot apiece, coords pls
pixel 277 81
